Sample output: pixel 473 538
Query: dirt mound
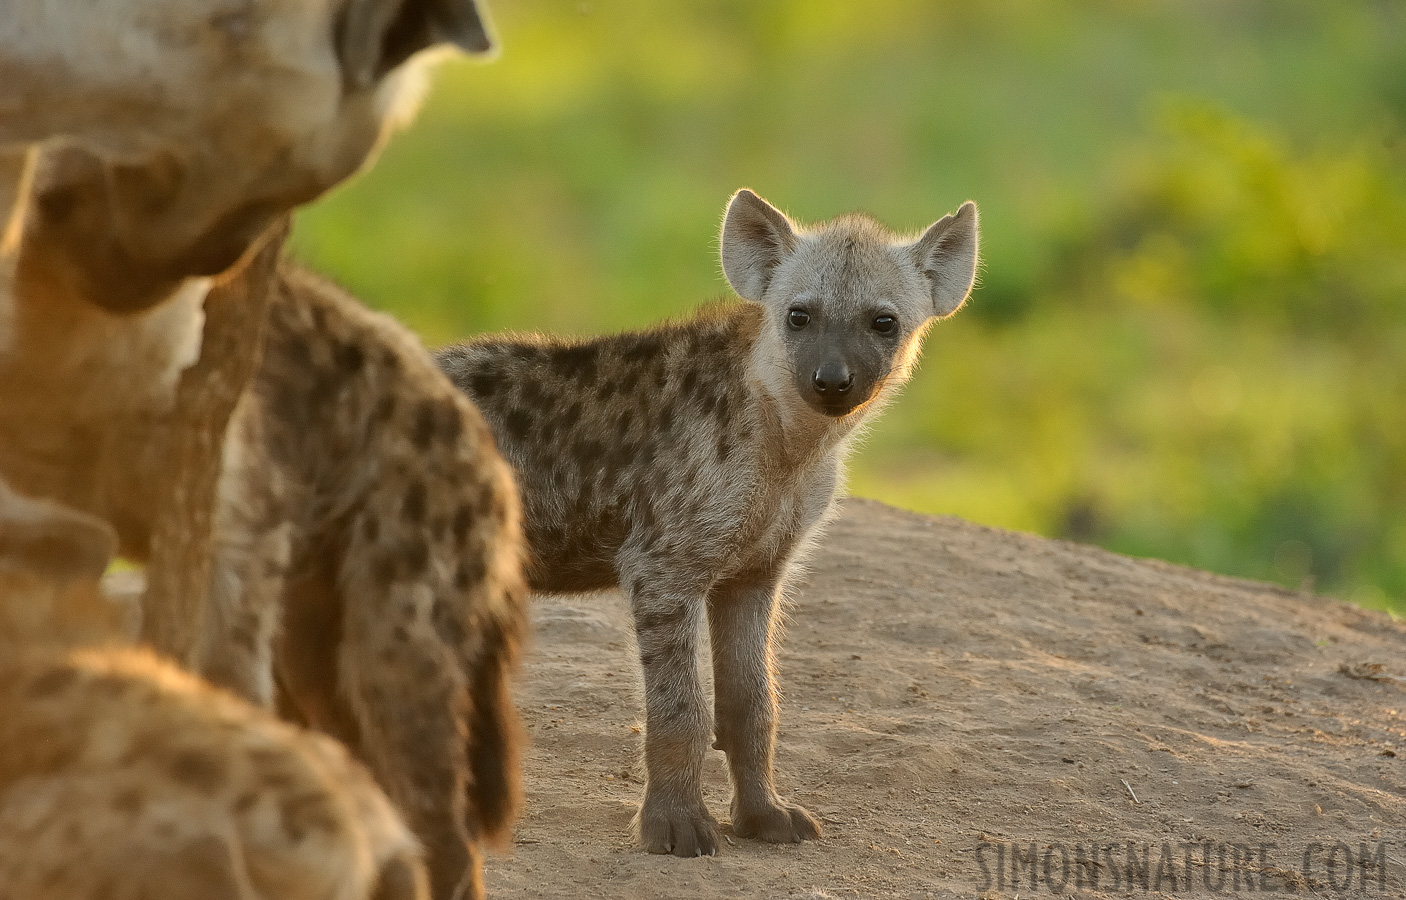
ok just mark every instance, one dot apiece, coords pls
pixel 971 711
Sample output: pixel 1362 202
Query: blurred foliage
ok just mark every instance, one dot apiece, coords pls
pixel 1189 337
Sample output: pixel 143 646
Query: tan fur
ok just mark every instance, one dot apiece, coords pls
pixel 123 777
pixel 147 144
pixel 368 567
pixel 693 463
pixel 170 134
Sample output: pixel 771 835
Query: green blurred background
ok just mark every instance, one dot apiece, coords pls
pixel 1189 339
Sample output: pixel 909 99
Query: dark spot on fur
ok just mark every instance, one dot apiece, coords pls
pixel 588 453
pixel 451 424
pixel 621 455
pixel 385 408
pixel 643 347
pixel 625 420
pixel 522 352
pixel 577 363
pixel 463 518
pixel 304 813
pixel 400 634
pixel 486 500
pixel 629 382
pixel 519 423
pixel 197 770
pixel 414 506
pixel 52 682
pixel 607 389
pixel 350 358
pixel 469 573
pixel 531 393
pixel 724 410
pixel 706 407
pixel 424 431
pixel 384 570
pixel 370 529
pixel 243 637
pixel 690 381
pixel 245 802
pixel 724 447
pixel 486 384
pixel 666 418
pixel 416 557
pixel 109 685
pixel 128 801
pixel 572 415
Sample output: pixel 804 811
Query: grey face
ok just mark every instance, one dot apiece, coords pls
pixel 848 301
pixel 840 352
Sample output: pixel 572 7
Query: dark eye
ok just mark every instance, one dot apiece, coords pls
pixel 885 324
pixel 798 318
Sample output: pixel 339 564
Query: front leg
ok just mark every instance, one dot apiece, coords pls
pixel 673 818
pixel 742 614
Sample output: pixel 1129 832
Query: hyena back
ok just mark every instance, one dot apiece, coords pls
pixel 691 464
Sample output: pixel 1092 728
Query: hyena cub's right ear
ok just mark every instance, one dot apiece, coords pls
pixel 946 254
pixel 756 236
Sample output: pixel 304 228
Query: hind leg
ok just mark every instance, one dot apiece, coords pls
pixel 403 678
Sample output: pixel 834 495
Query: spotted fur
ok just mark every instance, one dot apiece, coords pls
pixel 692 463
pixel 122 777
pixel 368 568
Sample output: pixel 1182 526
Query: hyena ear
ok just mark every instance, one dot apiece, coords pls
pixel 756 236
pixel 946 255
pixel 375 36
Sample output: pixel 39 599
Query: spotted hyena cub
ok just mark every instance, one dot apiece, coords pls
pixel 691 464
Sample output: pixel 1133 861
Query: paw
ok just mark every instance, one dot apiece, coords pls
pixel 683 829
pixel 778 822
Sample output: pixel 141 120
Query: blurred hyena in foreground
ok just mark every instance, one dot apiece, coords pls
pixel 123 777
pixel 692 463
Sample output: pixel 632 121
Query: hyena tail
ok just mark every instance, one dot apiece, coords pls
pixel 495 790
pixel 429 637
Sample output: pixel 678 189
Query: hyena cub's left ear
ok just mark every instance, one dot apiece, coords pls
pixel 946 254
pixel 756 236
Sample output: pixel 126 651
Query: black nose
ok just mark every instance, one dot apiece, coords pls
pixel 833 378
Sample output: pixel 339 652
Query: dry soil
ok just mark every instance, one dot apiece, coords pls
pixel 956 694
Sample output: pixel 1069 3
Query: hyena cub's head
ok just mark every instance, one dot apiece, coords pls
pixel 846 302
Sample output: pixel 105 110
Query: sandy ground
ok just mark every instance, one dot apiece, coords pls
pixel 955 694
